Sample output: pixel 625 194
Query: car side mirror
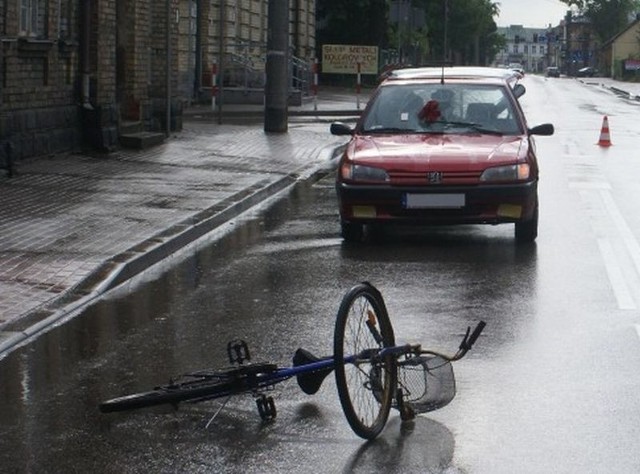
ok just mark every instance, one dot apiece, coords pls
pixel 519 90
pixel 340 128
pixel 545 129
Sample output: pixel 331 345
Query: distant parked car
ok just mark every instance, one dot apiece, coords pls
pixel 587 72
pixel 553 71
pixel 518 68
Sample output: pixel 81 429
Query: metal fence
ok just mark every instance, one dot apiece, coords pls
pixel 242 76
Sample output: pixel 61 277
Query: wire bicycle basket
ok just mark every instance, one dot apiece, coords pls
pixel 427 382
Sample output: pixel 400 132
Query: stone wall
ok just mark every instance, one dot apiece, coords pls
pixel 38 94
pixel 44 72
pixel 242 27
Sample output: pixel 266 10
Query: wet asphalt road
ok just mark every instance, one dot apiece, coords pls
pixel 550 387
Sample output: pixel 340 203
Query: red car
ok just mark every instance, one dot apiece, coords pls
pixel 441 146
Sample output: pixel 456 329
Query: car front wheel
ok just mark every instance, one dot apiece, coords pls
pixel 527 231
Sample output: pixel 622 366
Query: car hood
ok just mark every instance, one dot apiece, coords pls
pixel 447 151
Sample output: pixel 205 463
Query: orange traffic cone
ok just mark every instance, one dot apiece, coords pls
pixel 605 139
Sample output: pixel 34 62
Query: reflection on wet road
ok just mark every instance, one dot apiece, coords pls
pixel 551 386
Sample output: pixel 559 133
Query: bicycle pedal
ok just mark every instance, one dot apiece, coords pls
pixel 238 351
pixel 266 408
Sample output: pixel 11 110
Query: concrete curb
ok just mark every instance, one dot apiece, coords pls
pixel 616 90
pixel 622 92
pixel 126 265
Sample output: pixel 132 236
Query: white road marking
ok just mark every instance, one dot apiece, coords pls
pixel 616 278
pixel 628 238
pixel 585 186
pixel 588 185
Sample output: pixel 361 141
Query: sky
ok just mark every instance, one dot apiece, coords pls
pixel 530 13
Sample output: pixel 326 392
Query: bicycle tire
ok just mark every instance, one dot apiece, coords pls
pixel 199 386
pixel 366 387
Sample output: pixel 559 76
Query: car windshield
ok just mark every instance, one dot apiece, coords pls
pixel 441 108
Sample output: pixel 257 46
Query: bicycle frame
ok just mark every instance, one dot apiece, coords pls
pixel 373 374
pixel 318 369
pixel 325 363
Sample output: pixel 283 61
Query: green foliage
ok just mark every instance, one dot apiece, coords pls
pixel 608 17
pixel 414 43
pixel 352 22
pixel 470 30
pixel 470 37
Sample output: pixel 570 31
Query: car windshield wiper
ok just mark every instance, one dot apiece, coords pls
pixel 474 126
pixel 442 129
pixel 389 130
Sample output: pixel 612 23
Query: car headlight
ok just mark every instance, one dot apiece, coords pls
pixel 518 172
pixel 351 172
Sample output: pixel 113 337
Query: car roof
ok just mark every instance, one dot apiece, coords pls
pixel 456 72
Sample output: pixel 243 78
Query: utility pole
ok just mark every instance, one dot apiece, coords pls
pixel 446 33
pixel 221 63
pixel 168 68
pixel 276 87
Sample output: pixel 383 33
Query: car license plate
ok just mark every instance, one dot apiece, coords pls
pixel 433 201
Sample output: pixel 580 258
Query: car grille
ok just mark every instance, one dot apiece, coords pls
pixel 423 178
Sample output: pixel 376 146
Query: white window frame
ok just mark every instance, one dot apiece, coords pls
pixel 28 23
pixel 65 17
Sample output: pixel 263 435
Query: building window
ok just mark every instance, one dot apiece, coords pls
pixel 64 20
pixel 515 48
pixel 533 49
pixel 542 50
pixel 29 18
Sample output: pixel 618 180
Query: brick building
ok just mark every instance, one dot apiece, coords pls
pixel 75 72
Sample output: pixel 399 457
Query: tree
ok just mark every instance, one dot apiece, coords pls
pixel 608 17
pixel 470 30
pixel 351 22
pixel 408 32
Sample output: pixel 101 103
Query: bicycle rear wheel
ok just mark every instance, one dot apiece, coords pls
pixel 201 386
pixel 366 385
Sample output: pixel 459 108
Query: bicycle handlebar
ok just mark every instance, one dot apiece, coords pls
pixel 469 340
pixel 476 333
pixel 467 343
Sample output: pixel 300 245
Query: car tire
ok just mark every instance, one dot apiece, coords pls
pixel 527 231
pixel 351 232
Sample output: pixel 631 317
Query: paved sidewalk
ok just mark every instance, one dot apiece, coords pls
pixel 74 226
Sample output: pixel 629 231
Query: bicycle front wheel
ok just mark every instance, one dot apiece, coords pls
pixel 366 384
